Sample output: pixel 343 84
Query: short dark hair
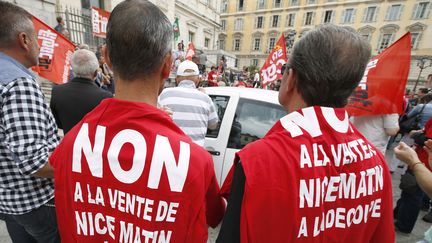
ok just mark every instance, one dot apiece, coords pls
pixel 59 19
pixel 138 38
pixel 13 20
pixel 329 62
pixel 424 90
pixel 426 99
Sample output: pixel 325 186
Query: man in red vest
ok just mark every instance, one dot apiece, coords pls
pixel 313 177
pixel 126 172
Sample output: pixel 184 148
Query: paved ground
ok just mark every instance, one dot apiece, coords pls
pixel 415 236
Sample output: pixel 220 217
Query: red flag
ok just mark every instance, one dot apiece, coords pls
pixel 55 53
pixel 99 19
pixel 271 70
pixel 190 52
pixel 382 88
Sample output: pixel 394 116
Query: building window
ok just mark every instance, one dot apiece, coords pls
pixel 222 44
pixel 238 25
pixel 293 2
pixel 254 62
pixel 308 18
pixel 370 14
pixel 275 21
pixel 328 16
pixel 257 44
pixel 385 41
pixel 236 63
pixel 277 3
pixel 259 22
pixel 421 10
pixel 237 45
pixel 224 6
pixel 311 1
pixel 223 24
pixel 394 12
pixel 207 42
pixel 191 36
pixel 348 16
pixel 290 20
pixel 261 4
pixel 415 38
pixel 240 5
pixel 272 42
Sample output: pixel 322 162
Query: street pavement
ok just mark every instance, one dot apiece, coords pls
pixel 416 235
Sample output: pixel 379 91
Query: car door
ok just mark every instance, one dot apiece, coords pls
pixel 252 120
pixel 216 140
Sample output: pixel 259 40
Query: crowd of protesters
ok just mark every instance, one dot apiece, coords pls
pixel 133 168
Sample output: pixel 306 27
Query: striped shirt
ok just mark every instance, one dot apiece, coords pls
pixel 193 110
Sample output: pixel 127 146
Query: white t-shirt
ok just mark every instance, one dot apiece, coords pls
pixel 373 128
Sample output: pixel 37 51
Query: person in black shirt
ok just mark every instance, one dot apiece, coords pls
pixel 70 102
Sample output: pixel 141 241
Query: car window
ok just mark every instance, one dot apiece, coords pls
pixel 252 121
pixel 220 102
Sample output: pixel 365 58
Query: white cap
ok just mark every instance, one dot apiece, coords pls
pixel 187 68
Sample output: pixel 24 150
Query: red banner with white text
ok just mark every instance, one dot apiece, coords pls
pixel 271 70
pixel 99 20
pixel 55 53
pixel 382 87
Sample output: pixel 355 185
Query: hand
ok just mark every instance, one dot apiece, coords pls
pixel 412 132
pixel 406 154
pixel 428 148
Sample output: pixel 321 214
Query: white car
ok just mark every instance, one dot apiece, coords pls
pixel 245 115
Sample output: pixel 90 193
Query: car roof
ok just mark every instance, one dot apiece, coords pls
pixel 270 96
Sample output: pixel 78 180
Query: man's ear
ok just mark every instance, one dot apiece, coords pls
pixel 166 66
pixel 106 56
pixel 291 80
pixel 24 41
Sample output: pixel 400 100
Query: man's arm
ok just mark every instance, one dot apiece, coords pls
pixel 30 129
pixel 213 118
pixel 230 229
pixel 391 124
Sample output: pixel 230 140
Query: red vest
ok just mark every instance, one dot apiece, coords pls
pixel 315 178
pixel 126 173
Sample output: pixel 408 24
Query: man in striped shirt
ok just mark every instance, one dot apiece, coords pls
pixel 193 110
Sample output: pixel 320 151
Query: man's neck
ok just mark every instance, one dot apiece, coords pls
pixel 12 52
pixel 140 90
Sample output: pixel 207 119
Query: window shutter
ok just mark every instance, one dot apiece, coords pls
pixel 428 10
pixel 313 18
pixel 414 13
pixel 392 39
pixel 263 21
pixel 364 15
pixel 323 16
pixel 256 22
pixel 376 14
pixel 304 18
pixel 417 43
pixel 387 16
pixel 353 16
pixel 343 16
pixel 379 42
pixel 333 17
pixel 293 18
pixel 271 20
pixel 279 20
pixel 400 12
